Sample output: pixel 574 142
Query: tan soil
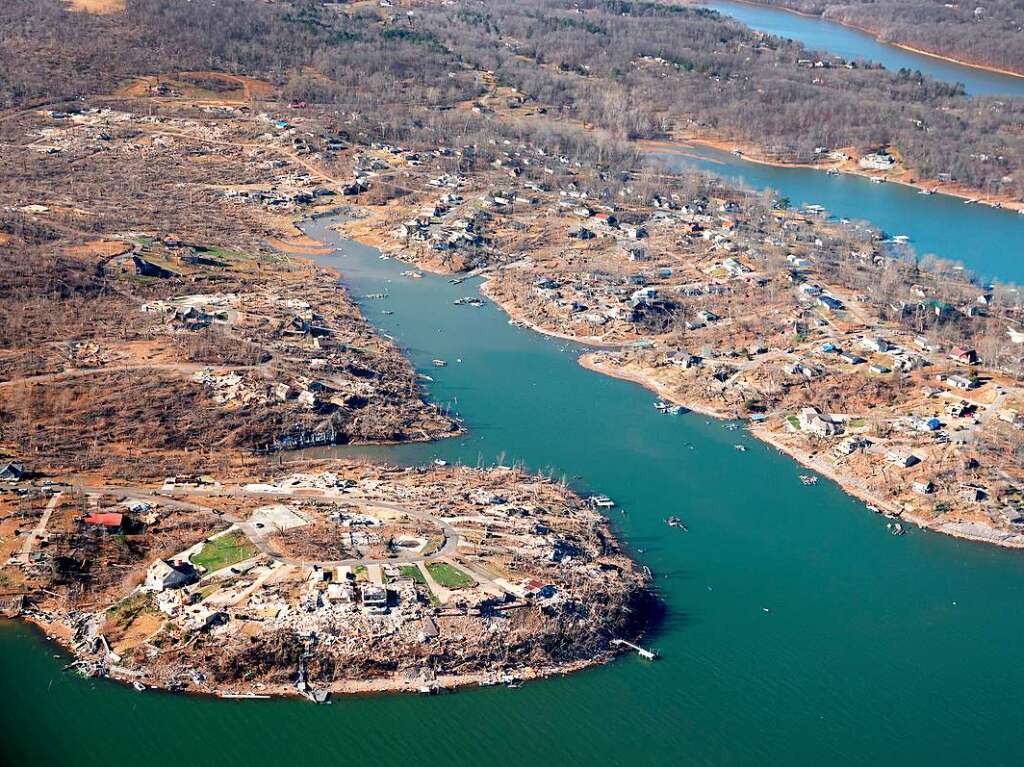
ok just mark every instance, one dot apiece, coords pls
pixel 97 6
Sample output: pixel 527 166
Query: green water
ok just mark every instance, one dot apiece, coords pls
pixel 874 650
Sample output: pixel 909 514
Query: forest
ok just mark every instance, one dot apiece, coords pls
pixel 637 70
pixel 991 33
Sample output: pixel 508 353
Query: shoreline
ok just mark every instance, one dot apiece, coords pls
pixel 53 634
pixel 802 457
pixel 846 484
pixel 753 154
pixel 875 35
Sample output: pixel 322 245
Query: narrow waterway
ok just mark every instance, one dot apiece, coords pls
pixel 798 631
pixel 988 241
pixel 822 35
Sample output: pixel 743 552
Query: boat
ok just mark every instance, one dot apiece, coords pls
pixel 440 462
pixel 674 409
pixel 832 172
pixel 926 191
pixel 877 180
pixel 741 448
pixel 439 363
pixel 901 239
pixel 602 501
pixel 896 528
pixel 387 311
pixel 139 686
pixel 872 507
pixel 808 479
pixel 677 523
pixel 659 405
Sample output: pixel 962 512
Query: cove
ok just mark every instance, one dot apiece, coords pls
pixel 988 241
pixel 819 34
pixel 873 650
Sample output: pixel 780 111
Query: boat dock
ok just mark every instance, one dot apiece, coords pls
pixel 646 654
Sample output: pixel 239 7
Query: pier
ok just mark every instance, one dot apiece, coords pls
pixel 646 654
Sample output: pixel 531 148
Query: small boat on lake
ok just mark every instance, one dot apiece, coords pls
pixel 808 479
pixel 677 523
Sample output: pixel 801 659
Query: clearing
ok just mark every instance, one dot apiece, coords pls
pixel 97 6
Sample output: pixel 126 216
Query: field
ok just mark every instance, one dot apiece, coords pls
pixel 224 551
pixel 448 576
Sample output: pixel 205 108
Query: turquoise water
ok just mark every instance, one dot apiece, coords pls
pixel 821 35
pixel 873 649
pixel 988 241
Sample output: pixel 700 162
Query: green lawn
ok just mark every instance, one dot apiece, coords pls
pixel 448 576
pixel 411 571
pixel 224 551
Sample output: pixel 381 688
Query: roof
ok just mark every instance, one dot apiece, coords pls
pixel 12 469
pixel 107 519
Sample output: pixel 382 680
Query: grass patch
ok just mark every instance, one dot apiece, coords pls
pixel 360 574
pixel 223 253
pixel 448 576
pixel 206 591
pixel 793 421
pixel 224 551
pixel 127 610
pixel 857 423
pixel 411 571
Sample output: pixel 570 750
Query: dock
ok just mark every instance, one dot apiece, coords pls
pixel 645 654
